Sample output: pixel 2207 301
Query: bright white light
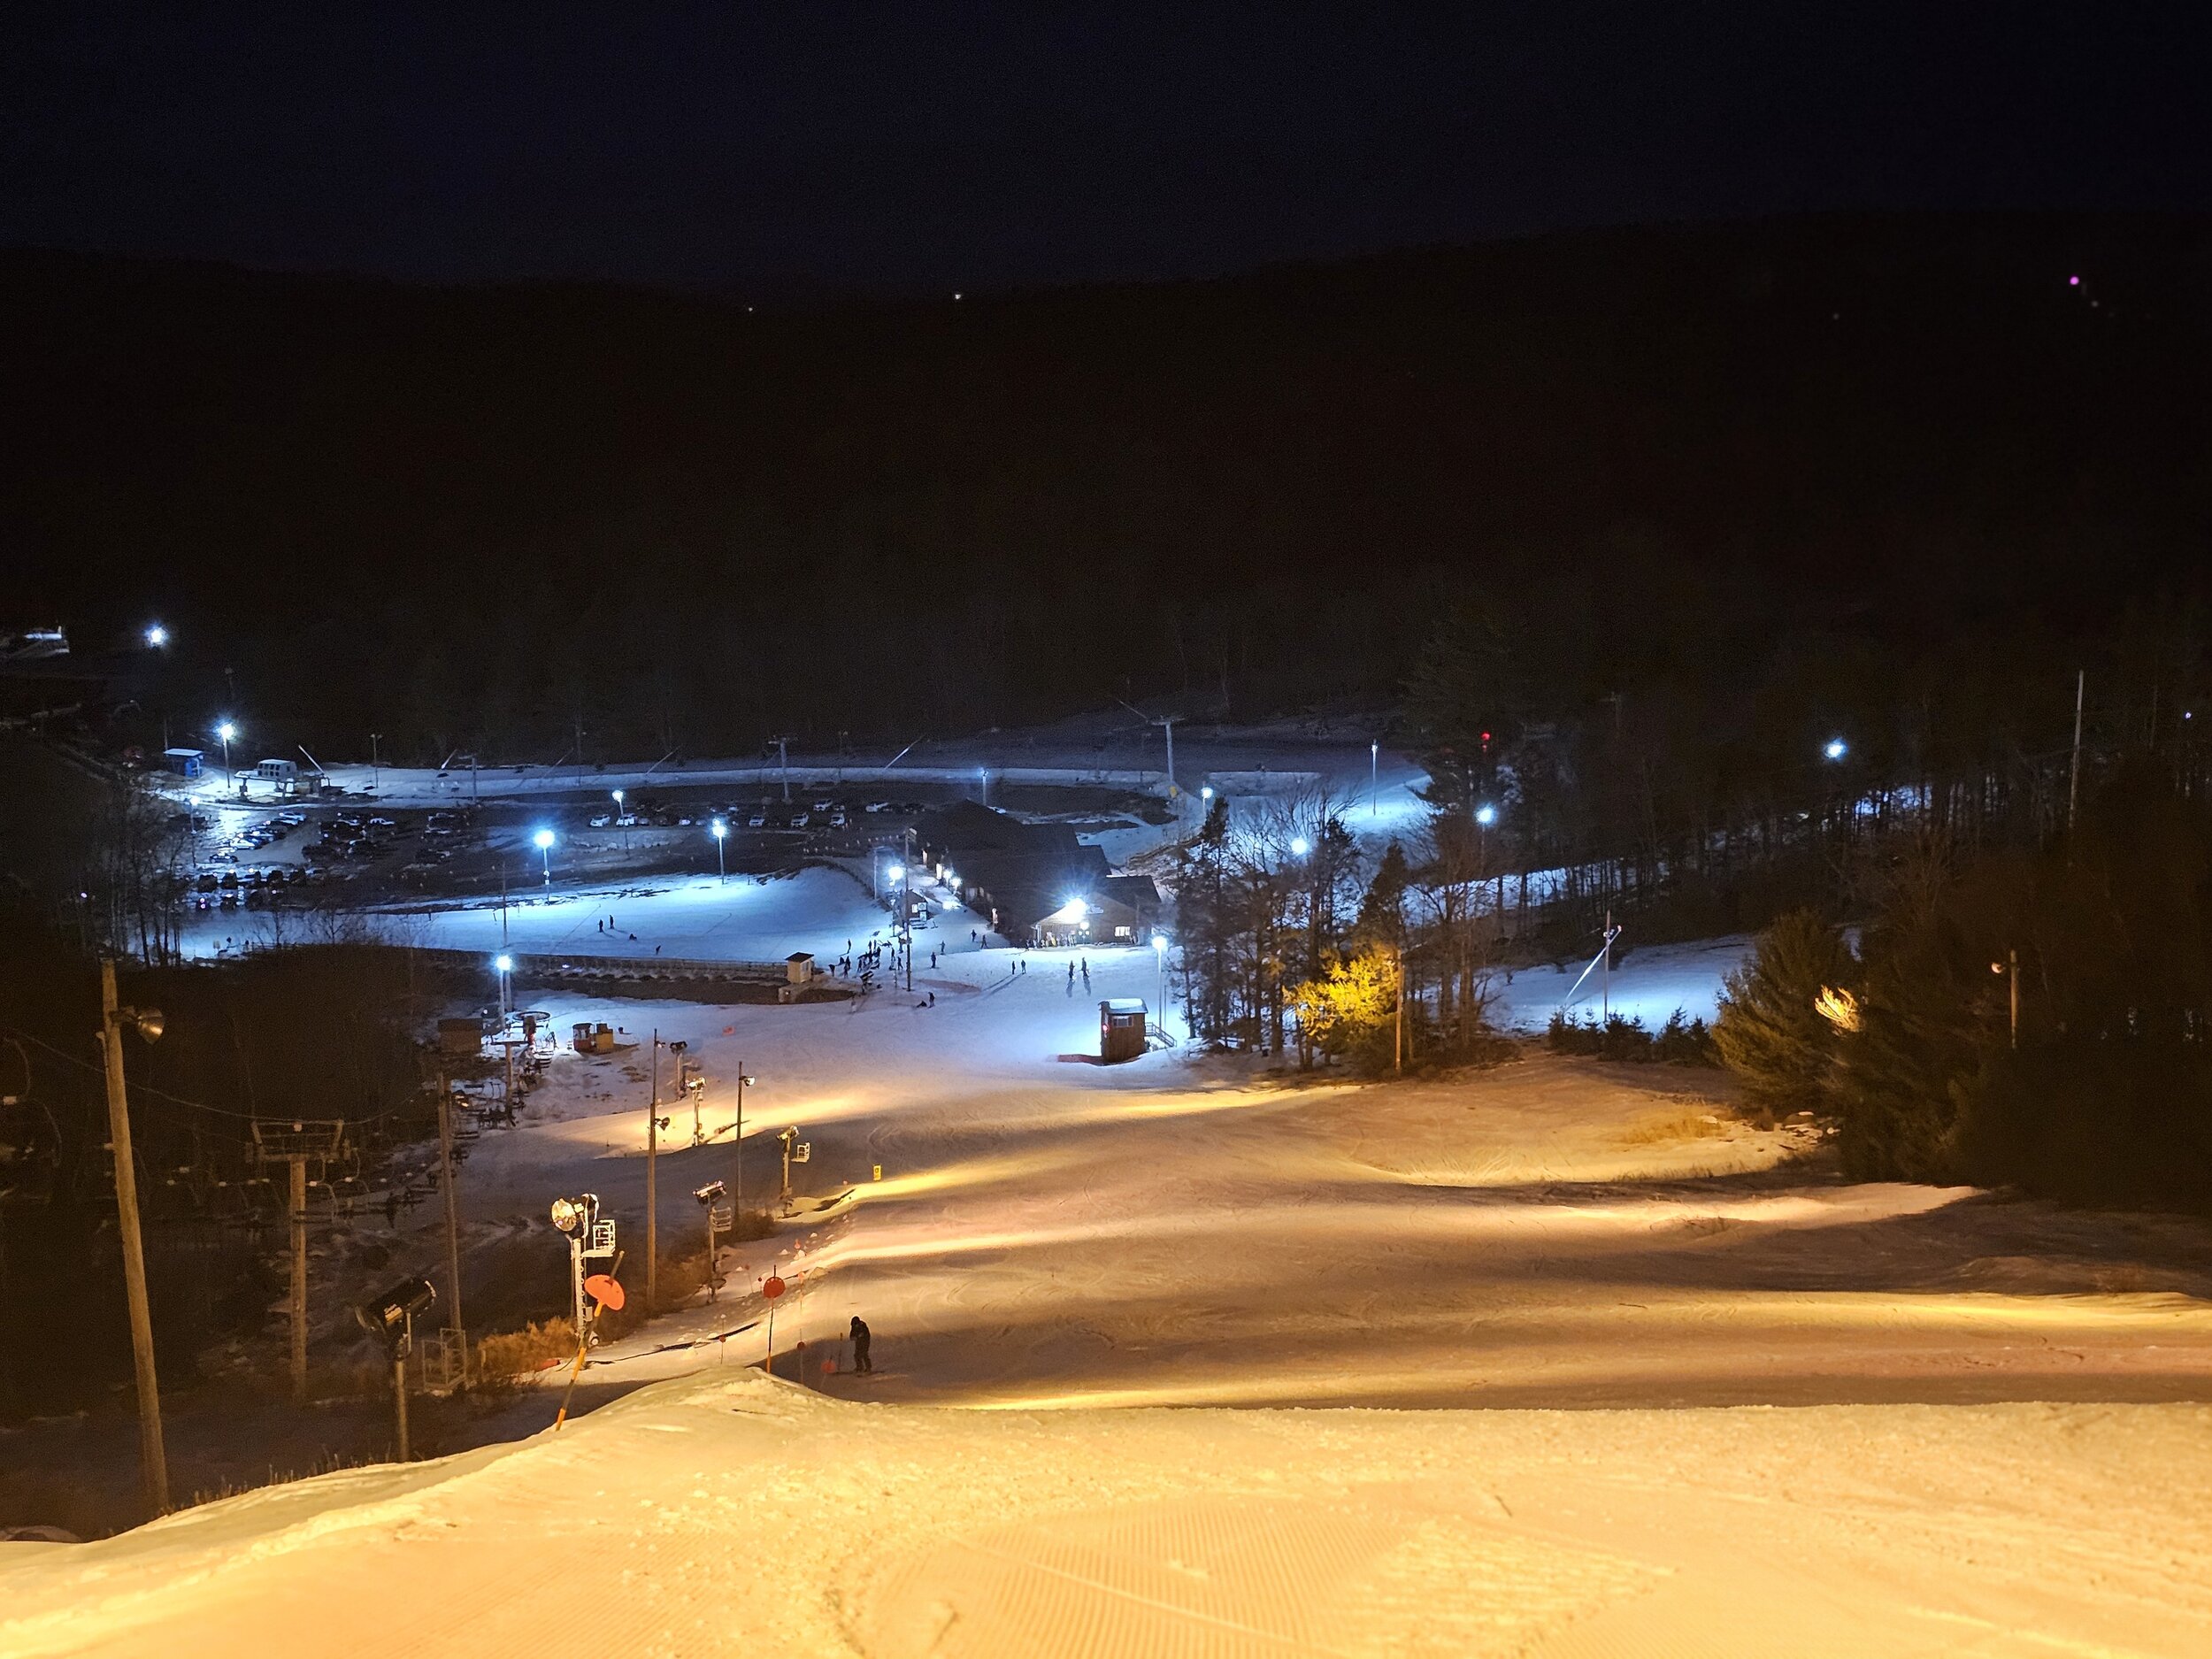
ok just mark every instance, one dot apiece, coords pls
pixel 543 840
pixel 505 962
pixel 156 635
pixel 720 829
pixel 1300 847
pixel 896 872
pixel 1159 942
pixel 952 878
pixel 1206 793
pixel 1075 909
pixel 226 731
pixel 1835 749
pixel 617 797
pixel 1486 816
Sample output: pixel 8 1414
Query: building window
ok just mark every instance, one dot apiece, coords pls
pixel 1123 933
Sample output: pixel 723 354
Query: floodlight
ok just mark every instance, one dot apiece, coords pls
pixel 711 1193
pixel 1206 793
pixel 1075 909
pixel 574 1215
pixel 505 962
pixel 1486 816
pixel 617 797
pixel 1835 749
pixel 1300 847
pixel 896 871
pixel 1159 942
pixel 150 1023
pixel 543 840
pixel 226 730
pixel 156 635
pixel 720 829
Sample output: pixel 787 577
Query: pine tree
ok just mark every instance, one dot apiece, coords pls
pixel 1771 1033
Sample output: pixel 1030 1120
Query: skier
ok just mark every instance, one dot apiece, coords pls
pixel 860 1336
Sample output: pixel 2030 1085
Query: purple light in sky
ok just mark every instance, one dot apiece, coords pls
pixel 2073 281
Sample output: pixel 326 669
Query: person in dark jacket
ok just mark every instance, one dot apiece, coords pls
pixel 859 1334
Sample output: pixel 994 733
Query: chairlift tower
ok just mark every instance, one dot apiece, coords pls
pixel 294 1145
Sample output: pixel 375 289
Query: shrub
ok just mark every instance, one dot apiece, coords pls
pixel 1769 1033
pixel 1678 1042
pixel 512 1354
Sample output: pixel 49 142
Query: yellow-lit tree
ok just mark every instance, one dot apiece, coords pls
pixel 1348 1009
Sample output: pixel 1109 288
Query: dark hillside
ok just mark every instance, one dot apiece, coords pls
pixel 475 516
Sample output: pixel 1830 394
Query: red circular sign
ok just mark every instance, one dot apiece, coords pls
pixel 606 1290
pixel 773 1288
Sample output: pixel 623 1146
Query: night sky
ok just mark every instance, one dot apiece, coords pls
pixel 933 147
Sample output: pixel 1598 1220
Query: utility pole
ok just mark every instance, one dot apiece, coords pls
pixel 2012 962
pixel 1374 780
pixel 154 1457
pixel 295 1169
pixel 652 1186
pixel 737 1155
pixel 1605 974
pixel 1398 1063
pixel 453 1210
pixel 2073 783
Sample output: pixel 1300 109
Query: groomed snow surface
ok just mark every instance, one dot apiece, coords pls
pixel 1807 1418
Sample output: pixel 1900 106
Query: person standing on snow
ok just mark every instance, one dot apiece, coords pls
pixel 860 1336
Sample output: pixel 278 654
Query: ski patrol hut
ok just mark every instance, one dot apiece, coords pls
pixel 186 763
pixel 1120 1029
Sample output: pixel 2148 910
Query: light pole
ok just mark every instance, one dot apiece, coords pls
pixel 1159 951
pixel 983 777
pixel 543 842
pixel 721 867
pixel 226 730
pixel 148 1023
pixel 373 736
pixel 621 821
pixel 504 965
pixel 1374 780
pixel 737 1148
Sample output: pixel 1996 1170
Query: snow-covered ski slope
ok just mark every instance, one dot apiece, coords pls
pixel 728 1514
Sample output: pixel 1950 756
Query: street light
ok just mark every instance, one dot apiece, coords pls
pixel 1206 791
pixel 1159 952
pixel 226 730
pixel 503 964
pixel 1835 749
pixel 543 842
pixel 157 636
pixel 1300 847
pixel 1486 816
pixel 721 831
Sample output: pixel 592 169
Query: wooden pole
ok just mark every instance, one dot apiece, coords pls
pixel 2073 782
pixel 453 1220
pixel 153 1456
pixel 1398 1063
pixel 297 1167
pixel 652 1188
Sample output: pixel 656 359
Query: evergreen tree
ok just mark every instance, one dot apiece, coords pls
pixel 1771 1033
